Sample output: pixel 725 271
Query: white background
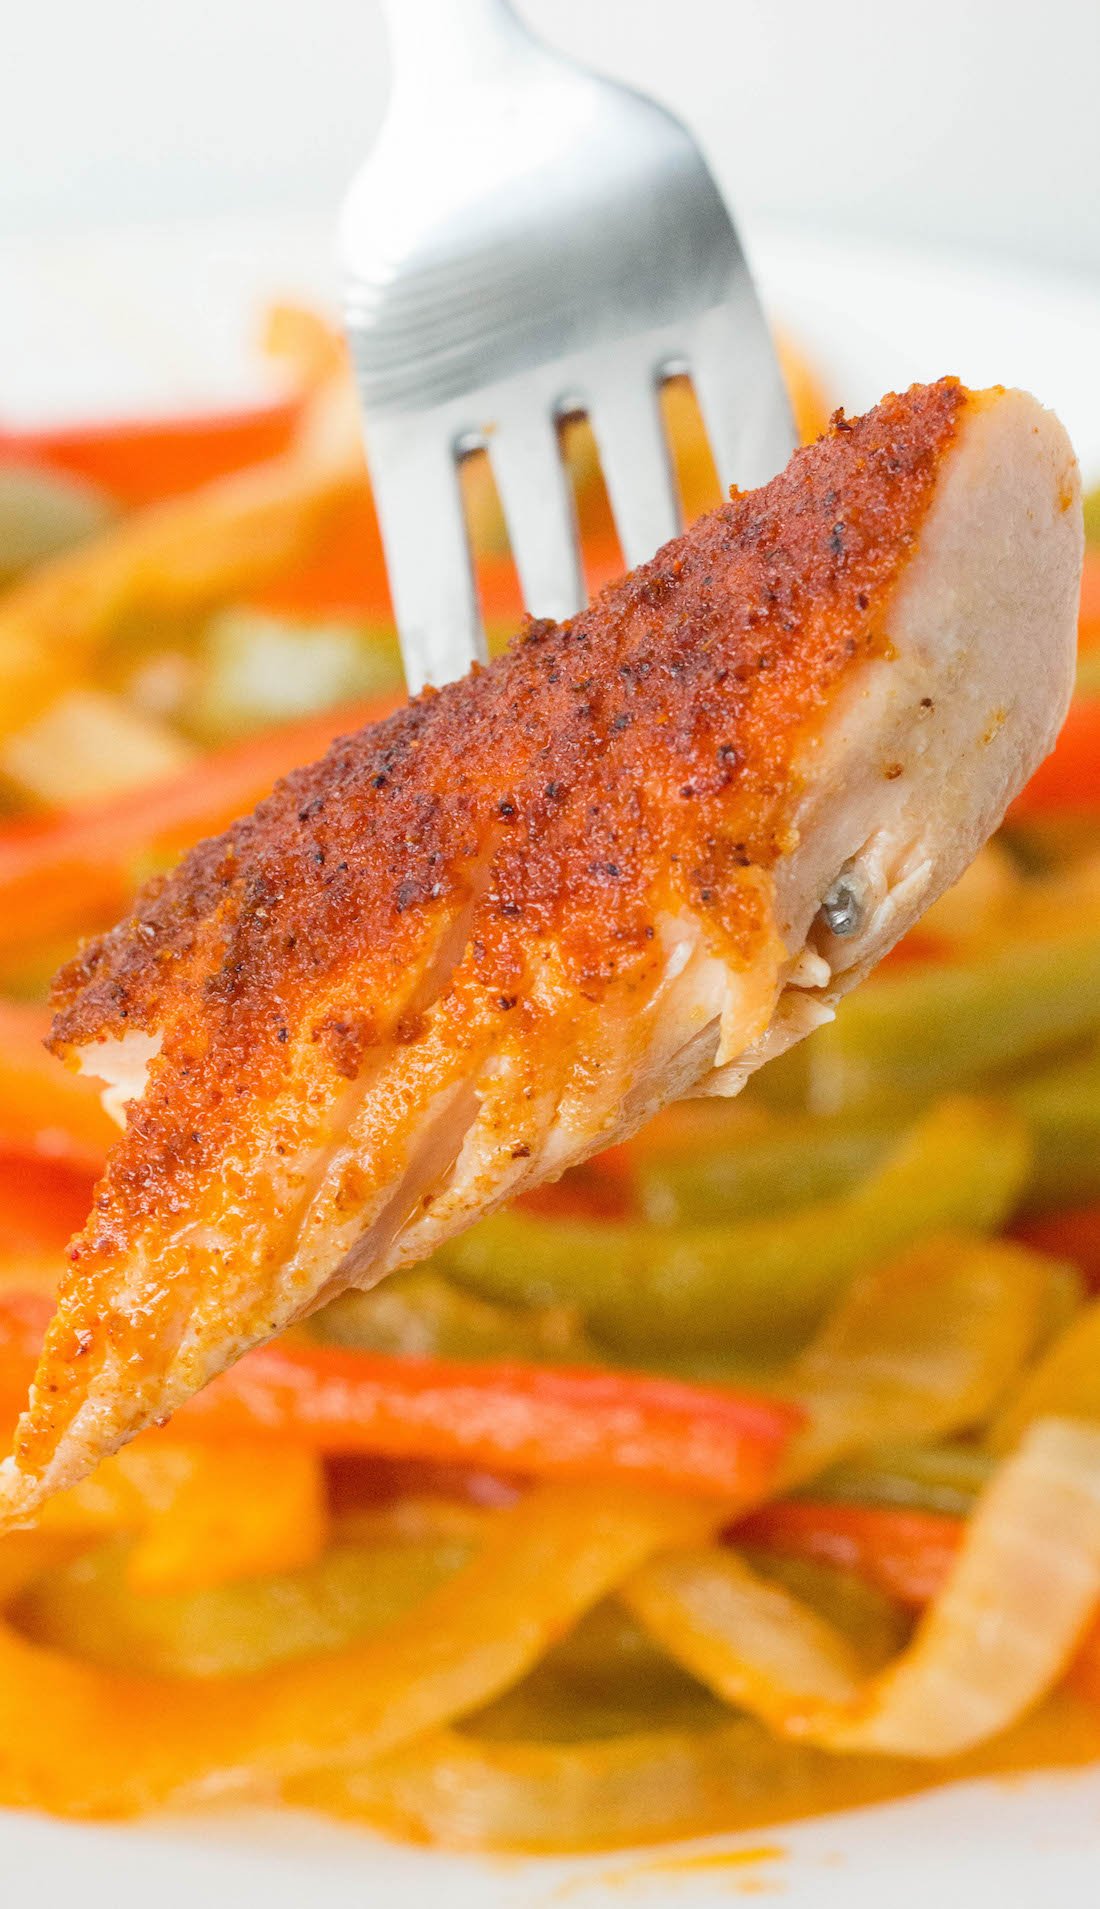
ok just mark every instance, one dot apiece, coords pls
pixel 970 124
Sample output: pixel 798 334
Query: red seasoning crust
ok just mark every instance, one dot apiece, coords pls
pixel 635 760
pixel 599 771
pixel 646 743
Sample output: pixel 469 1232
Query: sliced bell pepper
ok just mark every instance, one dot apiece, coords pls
pixel 1072 1235
pixel 44 1109
pixel 1069 780
pixel 91 1609
pixel 907 1554
pixel 69 872
pixel 79 1741
pixel 203 1515
pixel 549 1421
pixel 179 557
pixel 42 1204
pixel 754 1286
pixel 141 460
pixel 938 1027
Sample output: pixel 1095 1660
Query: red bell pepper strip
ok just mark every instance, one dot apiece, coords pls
pixel 907 1554
pixel 1088 628
pixel 46 1112
pixel 1072 1235
pixel 141 461
pixel 346 574
pixel 74 871
pixel 42 1204
pixel 1068 781
pixel 547 1421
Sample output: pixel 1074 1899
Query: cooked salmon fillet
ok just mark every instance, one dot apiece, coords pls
pixel 486 937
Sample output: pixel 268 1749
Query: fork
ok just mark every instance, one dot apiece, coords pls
pixel 528 241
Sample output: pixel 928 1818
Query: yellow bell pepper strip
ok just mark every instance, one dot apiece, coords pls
pixel 202 1514
pixel 935 1027
pixel 214 1516
pixel 1065 1381
pixel 549 1421
pixel 89 1609
pixel 1004 1629
pixel 82 1742
pixel 757 1285
pixel 66 873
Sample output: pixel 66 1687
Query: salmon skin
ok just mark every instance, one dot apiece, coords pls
pixel 494 933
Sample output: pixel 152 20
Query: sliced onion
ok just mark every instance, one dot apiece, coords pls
pixel 992 1645
pixel 612 1792
pixel 921 1348
pixel 455 1789
pixel 1065 1382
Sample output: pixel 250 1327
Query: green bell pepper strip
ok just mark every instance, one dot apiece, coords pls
pixel 910 1036
pixel 804 1158
pixel 761 1285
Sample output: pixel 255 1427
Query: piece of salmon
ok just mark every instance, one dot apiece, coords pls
pixel 487 937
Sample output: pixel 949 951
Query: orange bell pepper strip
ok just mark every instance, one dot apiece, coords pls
pixel 545 1420
pixel 46 1110
pixel 140 461
pixel 1072 1235
pixel 1068 781
pixel 74 871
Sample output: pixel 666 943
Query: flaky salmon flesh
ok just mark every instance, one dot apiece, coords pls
pixel 496 932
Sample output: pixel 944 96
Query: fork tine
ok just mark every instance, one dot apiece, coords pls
pixel 431 574
pixel 741 392
pixel 534 489
pixel 626 419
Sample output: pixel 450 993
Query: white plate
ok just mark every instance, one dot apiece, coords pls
pixel 133 321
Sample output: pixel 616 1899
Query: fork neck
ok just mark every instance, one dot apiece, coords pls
pixel 441 42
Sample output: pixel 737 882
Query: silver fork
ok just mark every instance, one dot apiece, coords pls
pixel 528 241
